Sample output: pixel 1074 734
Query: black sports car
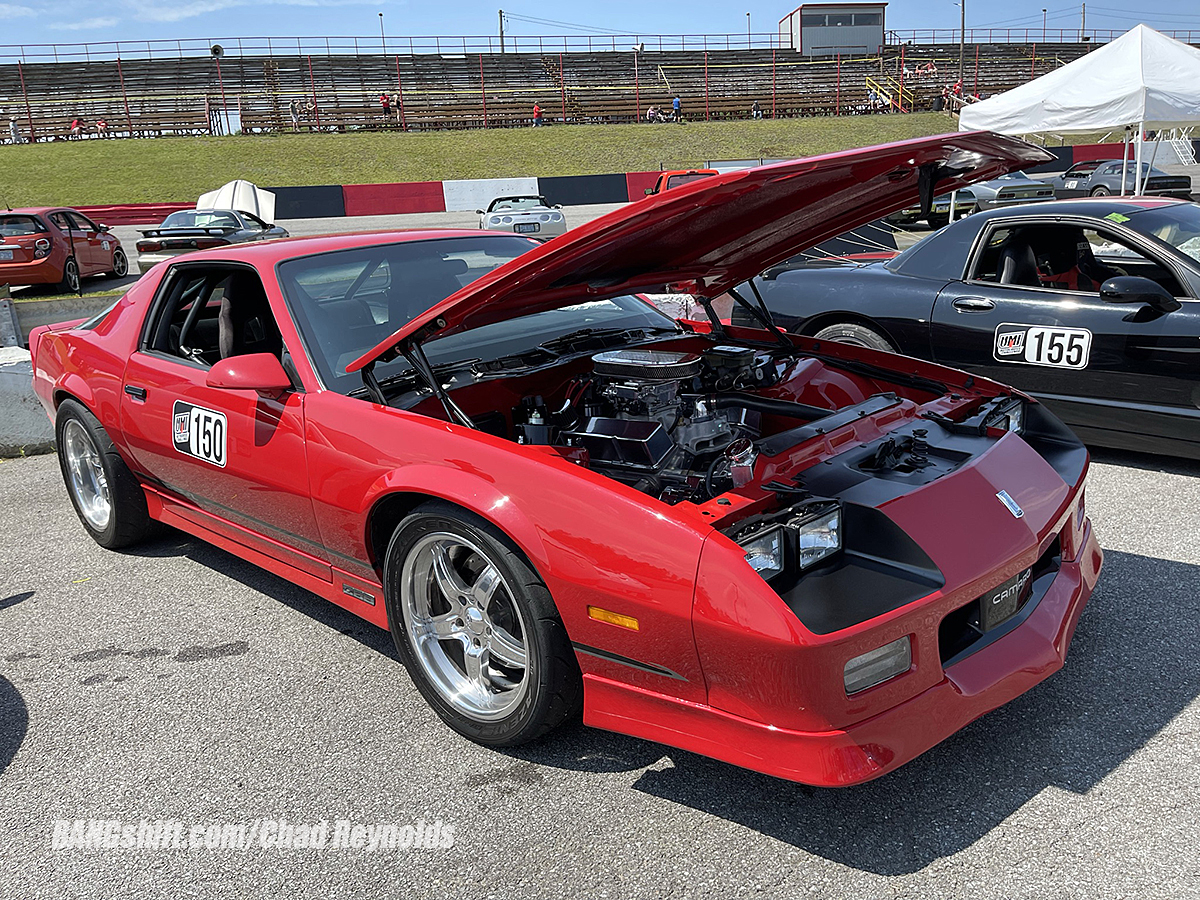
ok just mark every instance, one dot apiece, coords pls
pixel 1090 305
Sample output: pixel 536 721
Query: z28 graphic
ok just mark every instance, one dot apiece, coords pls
pixel 199 432
pixel 1039 345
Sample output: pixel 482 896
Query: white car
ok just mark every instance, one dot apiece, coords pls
pixel 530 214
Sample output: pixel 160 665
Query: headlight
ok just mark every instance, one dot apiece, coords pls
pixel 556 217
pixel 765 552
pixel 817 536
pixel 495 220
pixel 1009 416
pixel 793 546
pixel 878 665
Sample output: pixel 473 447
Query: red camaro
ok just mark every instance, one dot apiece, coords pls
pixel 49 245
pixel 809 559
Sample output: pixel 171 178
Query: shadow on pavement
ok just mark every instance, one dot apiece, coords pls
pixel 14 722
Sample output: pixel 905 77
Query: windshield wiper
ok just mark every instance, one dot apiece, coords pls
pixel 602 337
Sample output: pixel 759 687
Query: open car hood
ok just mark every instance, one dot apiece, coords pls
pixel 708 236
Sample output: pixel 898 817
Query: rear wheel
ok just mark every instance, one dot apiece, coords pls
pixel 477 629
pixel 120 264
pixel 106 495
pixel 70 278
pixel 1100 191
pixel 856 335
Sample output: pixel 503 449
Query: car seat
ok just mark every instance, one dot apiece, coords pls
pixel 1017 263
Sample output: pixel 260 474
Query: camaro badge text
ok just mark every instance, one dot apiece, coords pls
pixel 1012 505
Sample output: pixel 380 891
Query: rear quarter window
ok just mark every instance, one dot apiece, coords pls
pixel 17 226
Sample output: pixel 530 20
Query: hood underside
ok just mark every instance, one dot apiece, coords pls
pixel 708 236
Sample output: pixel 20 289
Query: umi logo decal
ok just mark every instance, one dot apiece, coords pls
pixel 199 432
pixel 1010 343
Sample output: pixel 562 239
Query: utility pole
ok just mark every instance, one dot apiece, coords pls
pixel 1082 22
pixel 747 31
pixel 1043 24
pixel 501 31
pixel 962 38
pixel 382 39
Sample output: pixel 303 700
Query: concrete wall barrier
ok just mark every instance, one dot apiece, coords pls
pixel 477 193
pixel 24 427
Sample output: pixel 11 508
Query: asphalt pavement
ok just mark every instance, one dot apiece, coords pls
pixel 175 682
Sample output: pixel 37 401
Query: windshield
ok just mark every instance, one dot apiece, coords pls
pixel 675 181
pixel 192 218
pixel 1012 176
pixel 1177 225
pixel 16 226
pixel 517 203
pixel 348 301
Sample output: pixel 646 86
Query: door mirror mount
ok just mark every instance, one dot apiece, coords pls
pixel 1136 289
pixel 262 372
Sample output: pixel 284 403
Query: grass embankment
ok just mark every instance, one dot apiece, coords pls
pixel 79 173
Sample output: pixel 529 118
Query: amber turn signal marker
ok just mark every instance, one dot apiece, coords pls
pixel 612 618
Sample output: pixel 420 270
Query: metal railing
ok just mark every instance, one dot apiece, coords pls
pixel 448 45
pixel 1033 35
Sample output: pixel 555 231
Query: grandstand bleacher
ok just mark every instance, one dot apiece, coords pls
pixel 186 95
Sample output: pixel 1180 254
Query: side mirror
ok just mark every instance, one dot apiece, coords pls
pixel 102 228
pixel 558 206
pixel 262 372
pixel 649 191
pixel 479 212
pixel 1135 289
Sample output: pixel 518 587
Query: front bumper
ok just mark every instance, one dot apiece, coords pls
pixel 874 746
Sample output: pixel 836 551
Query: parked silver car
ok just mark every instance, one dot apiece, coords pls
pixel 199 229
pixel 1007 190
pixel 528 214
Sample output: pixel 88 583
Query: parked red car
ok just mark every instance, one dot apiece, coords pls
pixel 809 559
pixel 54 245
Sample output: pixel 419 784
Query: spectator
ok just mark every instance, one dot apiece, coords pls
pixel 755 111
pixel 14 133
pixel 385 103
pixel 294 113
pixel 872 100
pixel 77 127
pixel 677 110
pixel 651 114
pixel 101 127
pixel 537 114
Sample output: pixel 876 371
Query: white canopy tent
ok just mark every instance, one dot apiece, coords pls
pixel 1143 79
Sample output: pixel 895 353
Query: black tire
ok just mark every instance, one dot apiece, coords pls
pixel 120 263
pixel 128 521
pixel 551 684
pixel 1100 191
pixel 856 335
pixel 936 222
pixel 70 279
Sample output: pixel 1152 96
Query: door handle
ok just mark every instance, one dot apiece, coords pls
pixel 137 393
pixel 972 304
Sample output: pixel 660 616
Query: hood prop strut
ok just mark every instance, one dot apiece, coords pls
pixel 415 354
pixel 760 312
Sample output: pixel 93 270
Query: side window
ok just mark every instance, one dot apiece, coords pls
pixel 60 220
pixel 211 314
pixel 1063 258
pixel 82 222
pixel 253 221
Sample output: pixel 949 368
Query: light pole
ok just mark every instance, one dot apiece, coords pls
pixel 382 39
pixel 637 90
pixel 747 31
pixel 1043 25
pixel 962 39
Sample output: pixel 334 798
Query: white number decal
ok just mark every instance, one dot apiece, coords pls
pixel 1070 185
pixel 1038 345
pixel 199 432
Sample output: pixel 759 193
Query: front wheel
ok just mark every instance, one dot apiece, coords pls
pixel 120 264
pixel 856 335
pixel 70 277
pixel 477 628
pixel 106 495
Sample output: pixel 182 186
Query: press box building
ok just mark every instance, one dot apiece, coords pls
pixel 827 29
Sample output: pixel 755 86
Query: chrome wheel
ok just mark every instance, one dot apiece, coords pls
pixel 85 475
pixel 120 263
pixel 466 632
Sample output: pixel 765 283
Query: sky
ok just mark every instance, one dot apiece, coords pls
pixel 70 21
